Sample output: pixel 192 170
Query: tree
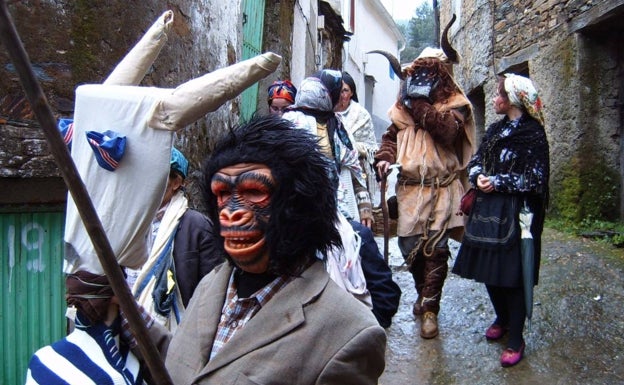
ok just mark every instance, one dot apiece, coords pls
pixel 419 33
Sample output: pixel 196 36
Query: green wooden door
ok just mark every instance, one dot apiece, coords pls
pixel 33 288
pixel 253 27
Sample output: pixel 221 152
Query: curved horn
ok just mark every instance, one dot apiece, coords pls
pixel 131 70
pixel 394 62
pixel 446 46
pixel 195 98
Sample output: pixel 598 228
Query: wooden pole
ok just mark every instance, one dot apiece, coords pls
pixel 41 108
pixel 386 217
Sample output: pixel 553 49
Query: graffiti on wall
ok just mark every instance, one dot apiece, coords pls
pixel 30 240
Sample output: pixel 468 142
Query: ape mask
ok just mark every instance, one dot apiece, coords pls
pixel 301 213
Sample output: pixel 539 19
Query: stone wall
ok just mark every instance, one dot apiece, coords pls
pixel 24 153
pixel 279 18
pixel 570 51
pixel 75 42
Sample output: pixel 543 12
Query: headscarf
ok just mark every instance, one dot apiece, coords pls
pixel 320 91
pixel 282 89
pixel 522 93
pixel 89 293
pixel 317 96
pixel 178 162
pixel 436 53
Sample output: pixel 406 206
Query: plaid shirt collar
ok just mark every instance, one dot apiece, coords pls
pixel 262 296
pixel 236 312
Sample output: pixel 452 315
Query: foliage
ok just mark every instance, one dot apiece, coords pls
pixel 600 192
pixel 586 201
pixel 419 32
pixel 589 190
pixel 609 232
pixel 564 199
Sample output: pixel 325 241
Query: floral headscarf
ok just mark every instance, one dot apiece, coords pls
pixel 522 93
pixel 282 89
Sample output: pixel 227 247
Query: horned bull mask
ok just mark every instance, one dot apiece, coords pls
pixel 447 54
pixel 127 198
pixel 418 81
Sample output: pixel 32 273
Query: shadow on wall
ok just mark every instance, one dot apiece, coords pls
pixel 381 125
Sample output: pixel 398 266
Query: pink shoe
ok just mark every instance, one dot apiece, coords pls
pixel 511 357
pixel 495 332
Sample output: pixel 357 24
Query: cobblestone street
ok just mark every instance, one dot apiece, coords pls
pixel 577 332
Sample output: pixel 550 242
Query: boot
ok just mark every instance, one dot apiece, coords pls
pixel 436 269
pixel 417 268
pixel 417 310
pixel 429 325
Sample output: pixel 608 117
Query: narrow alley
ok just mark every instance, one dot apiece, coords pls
pixel 576 336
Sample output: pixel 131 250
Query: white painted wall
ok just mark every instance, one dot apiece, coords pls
pixel 374 29
pixel 305 45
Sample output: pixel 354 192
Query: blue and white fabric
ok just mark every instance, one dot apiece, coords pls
pixel 91 354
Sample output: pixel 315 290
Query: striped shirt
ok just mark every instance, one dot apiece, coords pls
pixel 88 355
pixel 237 312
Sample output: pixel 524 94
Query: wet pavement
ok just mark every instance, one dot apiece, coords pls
pixel 576 336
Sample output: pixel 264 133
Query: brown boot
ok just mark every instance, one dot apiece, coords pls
pixel 429 325
pixel 436 269
pixel 417 268
pixel 417 310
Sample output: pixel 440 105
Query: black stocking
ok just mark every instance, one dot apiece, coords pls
pixel 497 297
pixel 510 311
pixel 517 314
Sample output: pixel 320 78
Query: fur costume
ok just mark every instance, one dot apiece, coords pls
pixel 432 138
pixel 432 142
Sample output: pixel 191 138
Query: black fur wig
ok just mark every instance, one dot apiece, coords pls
pixel 303 209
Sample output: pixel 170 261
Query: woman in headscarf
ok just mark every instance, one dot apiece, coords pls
pixel 314 111
pixel 510 170
pixel 363 271
pixel 281 95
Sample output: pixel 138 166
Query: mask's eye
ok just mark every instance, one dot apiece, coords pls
pixel 255 191
pixel 221 190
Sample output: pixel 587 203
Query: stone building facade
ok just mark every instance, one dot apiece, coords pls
pixel 571 49
pixel 78 42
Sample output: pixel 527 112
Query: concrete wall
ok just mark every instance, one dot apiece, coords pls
pixel 305 43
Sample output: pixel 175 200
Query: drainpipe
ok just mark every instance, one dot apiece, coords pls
pixel 436 20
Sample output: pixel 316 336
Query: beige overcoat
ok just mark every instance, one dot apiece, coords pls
pixel 427 202
pixel 310 332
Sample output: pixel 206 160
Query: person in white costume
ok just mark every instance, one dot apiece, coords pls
pixel 145 118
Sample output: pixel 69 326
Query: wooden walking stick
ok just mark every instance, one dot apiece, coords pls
pixel 92 223
pixel 386 219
